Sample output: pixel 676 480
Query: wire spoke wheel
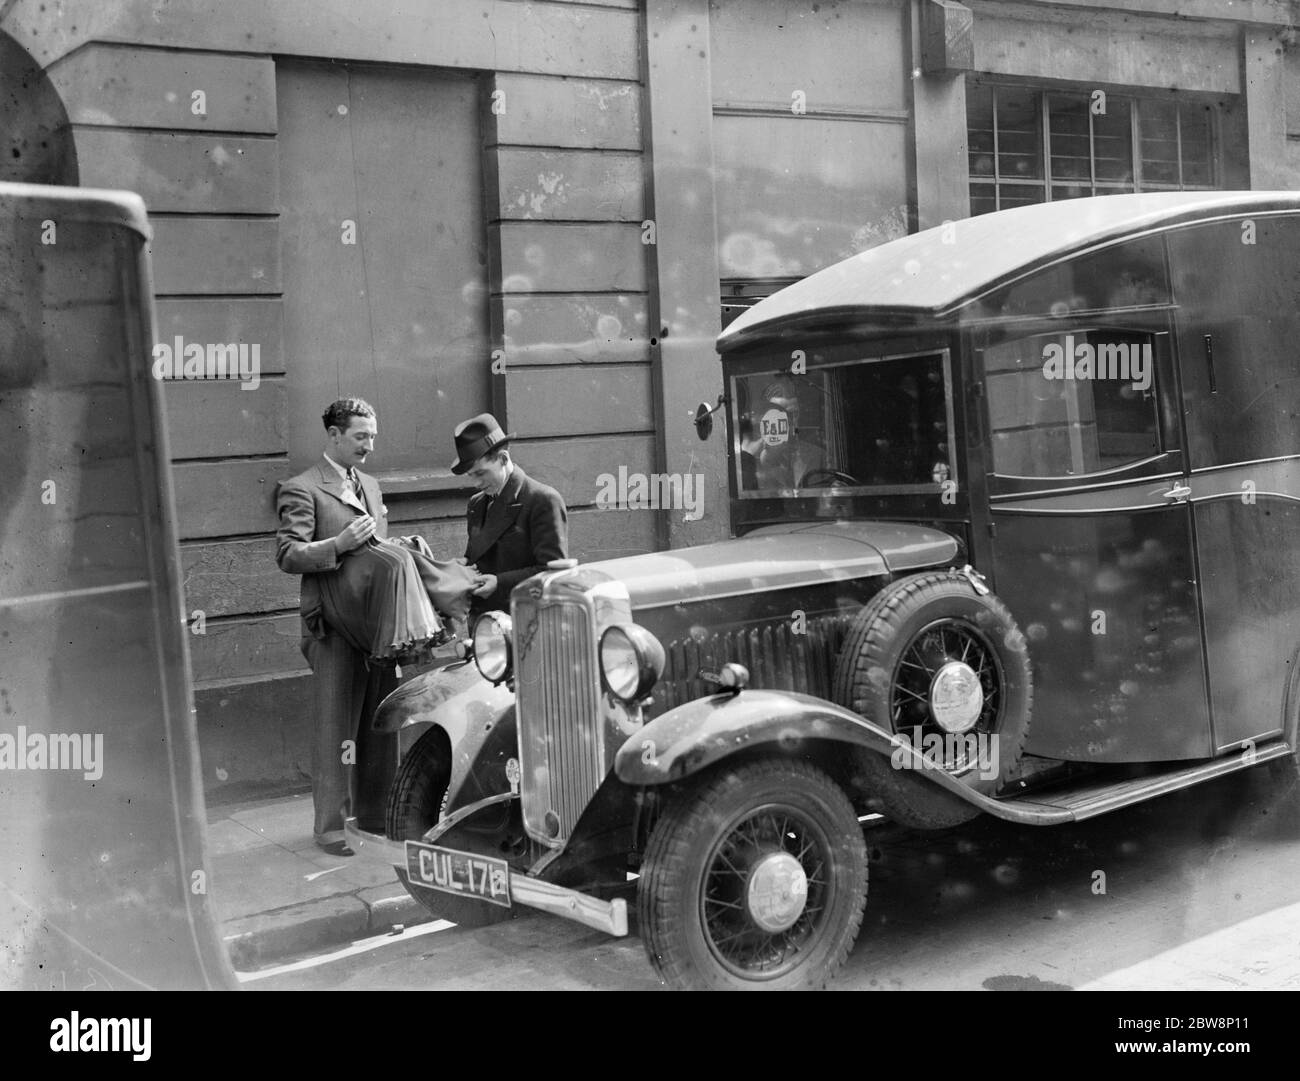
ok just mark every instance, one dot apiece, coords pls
pixel 755 877
pixel 775 859
pixel 946 645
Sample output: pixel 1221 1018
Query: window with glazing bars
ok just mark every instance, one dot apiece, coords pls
pixel 1033 146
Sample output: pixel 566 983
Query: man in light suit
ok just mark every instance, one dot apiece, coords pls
pixel 516 524
pixel 326 512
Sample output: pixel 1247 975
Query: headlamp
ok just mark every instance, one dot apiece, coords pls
pixel 631 661
pixel 493 651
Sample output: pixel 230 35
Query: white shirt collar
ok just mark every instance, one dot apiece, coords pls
pixel 336 467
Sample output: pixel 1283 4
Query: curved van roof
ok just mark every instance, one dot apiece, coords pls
pixel 922 276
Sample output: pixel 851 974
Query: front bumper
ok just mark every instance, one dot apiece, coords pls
pixel 607 916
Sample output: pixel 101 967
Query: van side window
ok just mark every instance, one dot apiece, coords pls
pixel 1072 402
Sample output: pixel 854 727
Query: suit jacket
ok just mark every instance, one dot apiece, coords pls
pixel 314 509
pixel 525 526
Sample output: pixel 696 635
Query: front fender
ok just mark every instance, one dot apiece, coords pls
pixel 693 736
pixel 439 697
pixel 696 734
pixel 460 702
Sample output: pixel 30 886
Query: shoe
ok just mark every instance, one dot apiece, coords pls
pixel 335 848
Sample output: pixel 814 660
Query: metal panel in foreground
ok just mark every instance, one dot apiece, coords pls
pixel 103 882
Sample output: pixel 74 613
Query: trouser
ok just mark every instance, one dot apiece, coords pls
pixel 345 695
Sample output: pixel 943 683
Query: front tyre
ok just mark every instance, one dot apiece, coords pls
pixel 416 798
pixel 415 804
pixel 755 879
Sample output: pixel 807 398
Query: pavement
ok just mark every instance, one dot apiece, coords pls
pixel 278 896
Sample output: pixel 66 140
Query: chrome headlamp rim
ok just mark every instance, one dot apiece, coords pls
pixel 494 659
pixel 648 654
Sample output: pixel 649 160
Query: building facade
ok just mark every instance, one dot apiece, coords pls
pixel 548 209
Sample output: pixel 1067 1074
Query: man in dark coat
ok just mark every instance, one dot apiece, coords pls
pixel 516 524
pixel 326 512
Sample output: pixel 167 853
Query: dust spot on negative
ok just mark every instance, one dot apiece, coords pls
pixel 1022 983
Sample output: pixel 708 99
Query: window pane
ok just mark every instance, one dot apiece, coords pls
pixel 982 199
pixel 1243 296
pixel 1121 276
pixel 1198 160
pixel 1068 134
pixel 1112 141
pixel 1021 195
pixel 1020 147
pixel 69 416
pixel 1070 191
pixel 1066 404
pixel 1158 125
pixel 979 129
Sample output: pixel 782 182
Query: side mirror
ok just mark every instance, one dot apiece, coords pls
pixel 704 418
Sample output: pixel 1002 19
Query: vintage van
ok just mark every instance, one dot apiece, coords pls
pixel 1016 504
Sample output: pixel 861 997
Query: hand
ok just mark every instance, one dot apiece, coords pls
pixel 486 587
pixel 357 532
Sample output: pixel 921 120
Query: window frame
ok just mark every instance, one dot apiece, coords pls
pixel 1073 400
pixel 835 357
pixel 1158 324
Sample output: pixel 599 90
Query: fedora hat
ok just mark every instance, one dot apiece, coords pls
pixel 474 438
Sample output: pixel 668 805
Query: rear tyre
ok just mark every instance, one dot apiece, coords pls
pixel 755 878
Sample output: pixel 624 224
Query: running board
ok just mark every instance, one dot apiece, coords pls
pixel 1097 799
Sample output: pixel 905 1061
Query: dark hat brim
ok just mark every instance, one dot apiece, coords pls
pixel 471 454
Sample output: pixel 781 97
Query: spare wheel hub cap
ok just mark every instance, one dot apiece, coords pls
pixel 956 697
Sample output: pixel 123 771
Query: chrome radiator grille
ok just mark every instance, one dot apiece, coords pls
pixel 557 696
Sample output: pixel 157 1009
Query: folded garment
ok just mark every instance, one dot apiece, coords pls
pixel 447 582
pixel 385 597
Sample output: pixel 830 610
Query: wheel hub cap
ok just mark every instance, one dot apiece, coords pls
pixel 776 892
pixel 956 697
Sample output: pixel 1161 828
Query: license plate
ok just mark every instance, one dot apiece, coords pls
pixel 458 873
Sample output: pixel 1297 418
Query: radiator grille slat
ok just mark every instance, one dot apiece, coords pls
pixel 777 659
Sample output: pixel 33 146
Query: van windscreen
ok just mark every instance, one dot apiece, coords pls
pixel 880 423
